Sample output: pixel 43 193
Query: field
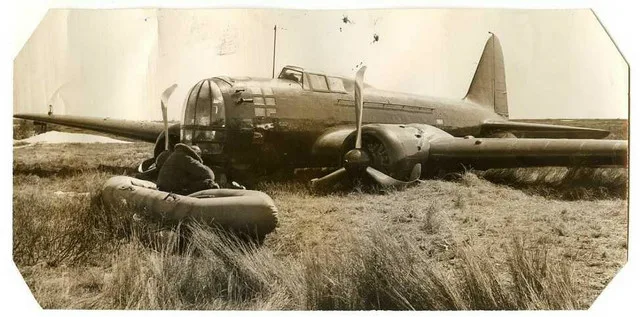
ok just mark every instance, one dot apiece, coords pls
pixel 545 238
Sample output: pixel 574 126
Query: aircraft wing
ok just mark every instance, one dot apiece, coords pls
pixel 484 153
pixel 137 130
pixel 537 130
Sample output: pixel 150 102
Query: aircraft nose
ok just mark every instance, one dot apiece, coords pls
pixel 204 116
pixel 204 105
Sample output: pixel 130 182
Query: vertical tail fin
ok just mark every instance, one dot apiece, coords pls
pixel 488 87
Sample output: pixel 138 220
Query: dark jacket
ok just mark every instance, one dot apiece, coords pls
pixel 183 172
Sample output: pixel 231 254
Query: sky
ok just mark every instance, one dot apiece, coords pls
pixel 115 63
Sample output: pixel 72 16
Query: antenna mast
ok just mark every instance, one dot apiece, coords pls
pixel 273 69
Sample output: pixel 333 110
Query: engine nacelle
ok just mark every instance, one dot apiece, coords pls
pixel 394 149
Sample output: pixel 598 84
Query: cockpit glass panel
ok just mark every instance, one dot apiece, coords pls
pixel 217 106
pixel 203 105
pixel 336 84
pixel 190 106
pixel 318 82
pixel 291 74
pixel 305 82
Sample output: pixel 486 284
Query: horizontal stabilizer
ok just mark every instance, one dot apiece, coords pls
pixel 536 130
pixel 143 131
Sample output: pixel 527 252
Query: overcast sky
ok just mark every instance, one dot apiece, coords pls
pixel 115 63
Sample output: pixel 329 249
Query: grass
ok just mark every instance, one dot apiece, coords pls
pixel 446 245
pixel 216 271
pixel 564 183
pixel 570 183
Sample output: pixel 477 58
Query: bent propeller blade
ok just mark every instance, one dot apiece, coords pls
pixel 329 179
pixel 358 88
pixel 415 173
pixel 167 94
pixel 388 181
pixel 164 100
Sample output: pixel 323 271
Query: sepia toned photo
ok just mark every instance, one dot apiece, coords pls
pixel 281 159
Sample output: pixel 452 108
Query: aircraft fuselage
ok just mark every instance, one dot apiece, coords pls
pixel 273 123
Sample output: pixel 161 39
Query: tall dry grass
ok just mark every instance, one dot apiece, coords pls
pixel 219 272
pixel 215 271
pixel 52 230
pixel 150 269
pixel 564 183
pixel 118 259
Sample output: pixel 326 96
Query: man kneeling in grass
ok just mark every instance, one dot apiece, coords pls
pixel 184 173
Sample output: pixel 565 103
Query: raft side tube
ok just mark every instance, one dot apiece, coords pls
pixel 230 208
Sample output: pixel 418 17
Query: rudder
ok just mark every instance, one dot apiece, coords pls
pixel 488 87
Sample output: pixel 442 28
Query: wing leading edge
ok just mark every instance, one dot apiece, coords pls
pixel 484 153
pixel 137 130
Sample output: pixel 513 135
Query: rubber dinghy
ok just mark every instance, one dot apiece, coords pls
pixel 247 211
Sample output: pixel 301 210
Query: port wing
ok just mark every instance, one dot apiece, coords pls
pixel 137 130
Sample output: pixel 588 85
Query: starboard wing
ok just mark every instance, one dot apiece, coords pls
pixel 484 153
pixel 537 130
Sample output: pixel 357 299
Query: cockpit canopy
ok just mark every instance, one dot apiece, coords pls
pixel 291 73
pixel 316 81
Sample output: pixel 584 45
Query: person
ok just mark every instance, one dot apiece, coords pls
pixel 184 173
pixel 291 76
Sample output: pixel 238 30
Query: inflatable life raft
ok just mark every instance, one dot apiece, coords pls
pixel 242 210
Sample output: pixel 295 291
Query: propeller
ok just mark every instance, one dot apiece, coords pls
pixel 357 161
pixel 164 100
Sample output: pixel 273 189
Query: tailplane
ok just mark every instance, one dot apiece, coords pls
pixel 488 87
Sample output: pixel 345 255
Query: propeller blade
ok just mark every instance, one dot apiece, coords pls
pixel 167 94
pixel 388 181
pixel 164 100
pixel 359 87
pixel 415 172
pixel 328 180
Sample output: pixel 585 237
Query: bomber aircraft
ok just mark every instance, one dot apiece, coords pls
pixel 303 119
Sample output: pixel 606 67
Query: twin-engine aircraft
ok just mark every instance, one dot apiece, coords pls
pixel 305 119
